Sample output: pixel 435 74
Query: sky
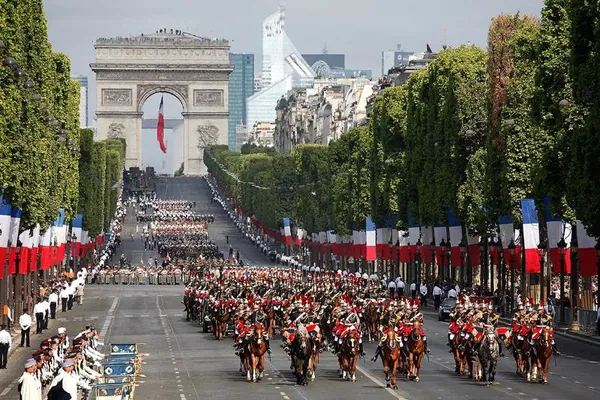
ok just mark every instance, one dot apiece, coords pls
pixel 361 29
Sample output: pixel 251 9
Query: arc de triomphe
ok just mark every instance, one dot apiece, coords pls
pixel 194 70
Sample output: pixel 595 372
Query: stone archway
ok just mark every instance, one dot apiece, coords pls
pixel 194 70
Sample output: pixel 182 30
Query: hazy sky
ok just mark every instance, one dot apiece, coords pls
pixel 361 29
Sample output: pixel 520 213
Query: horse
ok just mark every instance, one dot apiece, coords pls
pixel 221 318
pixel 521 349
pixel 540 357
pixel 254 354
pixel 302 352
pixel 488 353
pixel 391 358
pixel 348 356
pixel 372 321
pixel 413 353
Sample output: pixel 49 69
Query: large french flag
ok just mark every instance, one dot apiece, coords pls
pixel 557 229
pixel 160 128
pixel 440 234
pixel 473 248
pixel 34 244
pixel 587 252
pixel 456 236
pixel 5 212
pixel 287 231
pixel 531 236
pixel 24 238
pixel 77 229
pixel 300 234
pixel 371 240
pixel 60 233
pixel 15 222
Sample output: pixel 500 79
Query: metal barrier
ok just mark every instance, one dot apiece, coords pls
pixel 586 318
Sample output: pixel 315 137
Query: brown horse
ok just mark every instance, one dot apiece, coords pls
pixel 459 357
pixel 540 357
pixel 270 320
pixel 372 321
pixel 314 360
pixel 391 358
pixel 413 352
pixel 348 356
pixel 521 349
pixel 254 354
pixel 221 319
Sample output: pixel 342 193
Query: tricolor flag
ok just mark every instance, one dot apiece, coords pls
pixel 46 248
pixel 15 222
pixel 300 234
pixel 508 233
pixel 34 243
pixel 427 239
pixel 160 128
pixel 404 244
pixel 587 251
pixel 287 231
pixel 76 228
pixel 456 236
pixel 557 229
pixel 371 240
pixel 473 249
pixel 24 238
pixel 5 211
pixel 531 236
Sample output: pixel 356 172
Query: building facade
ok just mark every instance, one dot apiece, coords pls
pixel 394 58
pixel 283 68
pixel 83 100
pixel 241 86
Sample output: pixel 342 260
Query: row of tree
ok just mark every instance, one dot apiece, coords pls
pixel 46 161
pixel 474 133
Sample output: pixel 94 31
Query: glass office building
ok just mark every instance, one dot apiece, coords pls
pixel 241 86
pixel 283 68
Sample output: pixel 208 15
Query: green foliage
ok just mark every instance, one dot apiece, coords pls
pixel 252 148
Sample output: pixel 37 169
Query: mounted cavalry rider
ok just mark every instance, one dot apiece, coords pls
pixel 348 321
pixel 388 321
pixel 540 321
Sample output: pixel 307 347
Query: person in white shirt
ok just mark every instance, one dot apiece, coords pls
pixel 71 292
pixel 25 322
pixel 452 293
pixel 38 311
pixel 30 387
pixel 5 345
pixel 392 288
pixel 437 296
pixel 46 305
pixel 413 290
pixel 53 300
pixel 64 297
pixel 423 290
pixel 400 287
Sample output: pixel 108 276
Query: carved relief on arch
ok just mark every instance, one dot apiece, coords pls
pixel 145 91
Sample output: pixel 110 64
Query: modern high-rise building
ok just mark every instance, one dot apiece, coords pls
pixel 283 68
pixel 393 58
pixel 326 65
pixel 83 99
pixel 241 86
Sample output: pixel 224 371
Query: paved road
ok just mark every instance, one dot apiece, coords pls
pixel 185 364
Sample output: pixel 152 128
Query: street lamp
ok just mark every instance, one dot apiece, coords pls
pixel 574 285
pixel 444 253
pixel 432 244
pixel 463 252
pixel 597 247
pixel 511 251
pixel 419 245
pixel 449 254
pixel 542 253
pixel 562 249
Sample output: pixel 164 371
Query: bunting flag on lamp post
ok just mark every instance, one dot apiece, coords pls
pixel 456 236
pixel 557 229
pixel 587 252
pixel 15 222
pixel 531 236
pixel 371 240
pixel 287 231
pixel 160 128
pixel 24 255
pixel 5 211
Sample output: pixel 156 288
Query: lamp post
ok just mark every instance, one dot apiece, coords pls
pixel 418 262
pixel 433 260
pixel 391 271
pixel 448 258
pixel 444 253
pixel 574 285
pixel 398 258
pixel 463 253
pixel 511 251
pixel 483 264
pixel 597 247
pixel 562 249
pixel 542 254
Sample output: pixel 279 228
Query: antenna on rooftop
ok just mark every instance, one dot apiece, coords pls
pixel 325 49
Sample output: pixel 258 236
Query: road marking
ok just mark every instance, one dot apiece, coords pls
pixel 5 391
pixel 379 383
pixel 112 308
